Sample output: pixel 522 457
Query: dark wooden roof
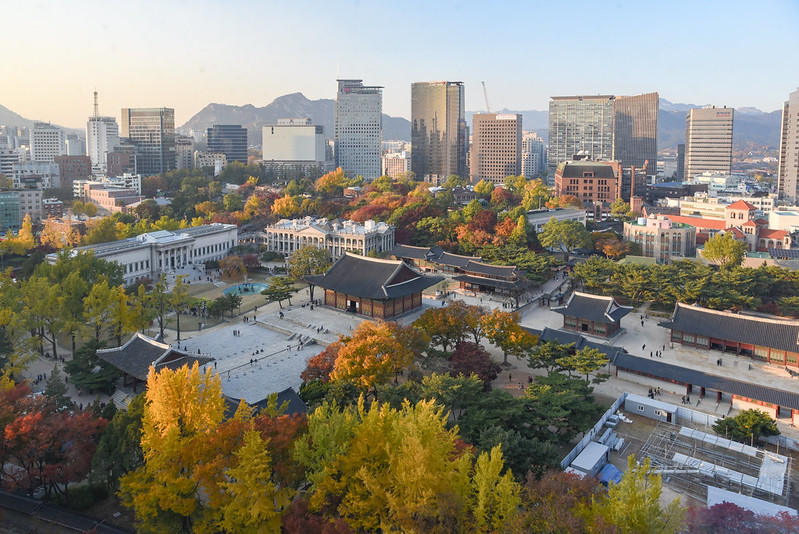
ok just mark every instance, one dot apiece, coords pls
pixel 372 278
pixel 140 352
pixel 594 308
pixel 432 254
pixel 772 332
pixel 504 271
pixel 295 403
pixel 685 375
pixel 564 338
pixel 517 285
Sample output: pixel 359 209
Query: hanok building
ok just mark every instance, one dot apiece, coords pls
pixel 592 314
pixel 504 280
pixel 135 358
pixel 376 288
pixel 769 339
pixel 432 259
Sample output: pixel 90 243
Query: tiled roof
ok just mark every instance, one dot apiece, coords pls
pixel 737 233
pixel 295 403
pixel 594 308
pixel 749 223
pixel 517 284
pixel 699 222
pixel 694 377
pixel 506 271
pixel 741 205
pixel 372 278
pixel 432 254
pixel 564 338
pixel 140 352
pixel 773 234
pixel 769 332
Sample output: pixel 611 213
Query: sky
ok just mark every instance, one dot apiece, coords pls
pixel 185 54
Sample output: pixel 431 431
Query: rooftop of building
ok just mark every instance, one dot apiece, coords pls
pixel 597 308
pixel 331 225
pixel 763 331
pixel 372 278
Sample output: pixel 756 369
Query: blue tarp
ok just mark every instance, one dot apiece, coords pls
pixel 609 474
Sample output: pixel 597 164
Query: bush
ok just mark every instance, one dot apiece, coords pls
pixel 271 255
pixel 81 497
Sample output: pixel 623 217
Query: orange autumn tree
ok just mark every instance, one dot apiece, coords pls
pixel 503 330
pixel 376 352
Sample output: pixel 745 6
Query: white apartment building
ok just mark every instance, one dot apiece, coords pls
pixel 336 236
pixel 216 160
pixel 149 255
pixel 46 142
pixel 126 181
pixel 359 128
pixel 788 172
pixel 396 164
pixel 534 155
pixel 8 157
pixel 49 174
pixel 294 140
pixel 708 140
pixel 30 203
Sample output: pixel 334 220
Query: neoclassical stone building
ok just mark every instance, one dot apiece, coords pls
pixel 336 236
pixel 152 254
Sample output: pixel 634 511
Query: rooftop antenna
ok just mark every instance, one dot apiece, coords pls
pixel 96 107
pixel 485 94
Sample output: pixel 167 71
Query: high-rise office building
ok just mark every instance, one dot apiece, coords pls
pixel 708 141
pixel 534 155
pixel 184 151
pixel 359 128
pixel 46 142
pixel 680 176
pixel 604 127
pixel 788 173
pixel 635 131
pixel 294 141
pixel 152 130
pixel 229 139
pixel 580 125
pixel 102 137
pixel 496 150
pixel 439 135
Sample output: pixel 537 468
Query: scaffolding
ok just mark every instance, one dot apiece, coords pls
pixel 691 460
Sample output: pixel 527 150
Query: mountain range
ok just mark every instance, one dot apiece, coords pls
pixel 753 127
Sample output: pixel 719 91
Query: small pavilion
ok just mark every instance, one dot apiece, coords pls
pixel 592 314
pixel 373 287
pixel 140 352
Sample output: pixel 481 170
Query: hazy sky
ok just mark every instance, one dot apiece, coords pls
pixel 185 54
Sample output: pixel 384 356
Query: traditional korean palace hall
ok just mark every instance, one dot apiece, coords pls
pixel 372 287
pixel 594 315
pixel 766 338
pixel 472 273
pixel 140 352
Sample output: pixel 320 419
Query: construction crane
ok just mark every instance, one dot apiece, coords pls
pixel 485 94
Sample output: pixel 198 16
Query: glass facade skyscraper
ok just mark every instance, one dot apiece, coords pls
pixel 439 135
pixel 359 128
pixel 229 139
pixel 152 131
pixel 580 125
pixel 606 128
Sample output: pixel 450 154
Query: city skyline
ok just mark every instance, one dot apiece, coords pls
pixel 89 44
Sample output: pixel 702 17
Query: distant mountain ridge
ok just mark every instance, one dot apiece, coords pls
pixel 295 105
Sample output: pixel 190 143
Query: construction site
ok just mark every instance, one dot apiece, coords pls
pixel 690 460
pixel 695 464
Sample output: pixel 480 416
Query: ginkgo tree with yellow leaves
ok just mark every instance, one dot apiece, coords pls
pixel 403 470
